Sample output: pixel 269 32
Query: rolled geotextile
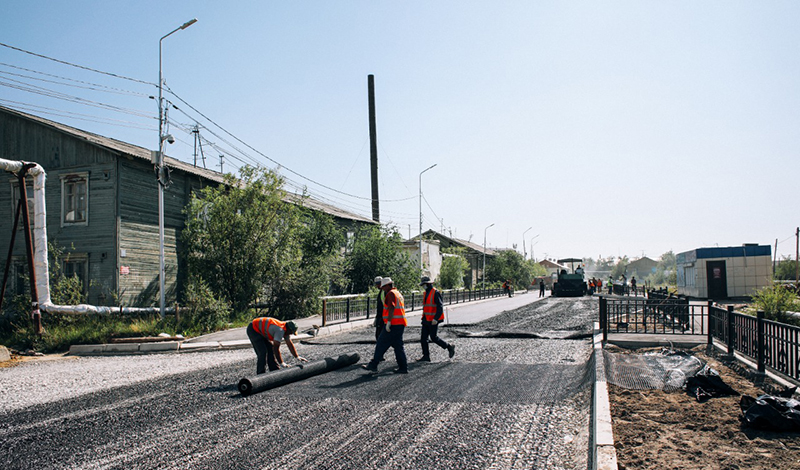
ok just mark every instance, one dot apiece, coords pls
pixel 261 382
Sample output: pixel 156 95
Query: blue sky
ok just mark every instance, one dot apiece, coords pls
pixel 611 128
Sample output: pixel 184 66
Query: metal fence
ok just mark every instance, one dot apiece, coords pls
pixel 647 315
pixel 768 343
pixel 345 308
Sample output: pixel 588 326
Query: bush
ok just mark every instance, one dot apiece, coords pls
pixel 205 312
pixel 776 301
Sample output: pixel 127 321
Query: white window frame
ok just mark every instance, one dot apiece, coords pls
pixel 65 180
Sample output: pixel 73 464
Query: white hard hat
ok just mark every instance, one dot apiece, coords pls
pixel 378 280
pixel 386 281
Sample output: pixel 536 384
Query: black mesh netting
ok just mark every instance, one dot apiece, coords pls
pixel 657 371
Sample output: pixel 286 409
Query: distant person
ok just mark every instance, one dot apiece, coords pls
pixel 610 285
pixel 579 270
pixel 541 287
pixel 510 288
pixel 432 315
pixel 633 284
pixel 266 335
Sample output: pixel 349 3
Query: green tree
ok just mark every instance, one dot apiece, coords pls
pixel 378 251
pixel 454 267
pixel 247 244
pixel 509 264
pixel 786 270
pixel 620 268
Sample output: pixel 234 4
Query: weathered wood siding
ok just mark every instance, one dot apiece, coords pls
pixel 139 232
pixel 61 154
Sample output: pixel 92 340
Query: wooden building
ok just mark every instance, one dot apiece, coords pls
pixel 473 253
pixel 102 209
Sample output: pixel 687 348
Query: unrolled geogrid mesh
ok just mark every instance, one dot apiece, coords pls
pixel 650 371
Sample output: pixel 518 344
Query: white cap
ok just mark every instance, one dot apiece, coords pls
pixel 385 281
pixel 378 280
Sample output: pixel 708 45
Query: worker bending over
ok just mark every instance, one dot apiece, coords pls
pixel 432 315
pixel 266 335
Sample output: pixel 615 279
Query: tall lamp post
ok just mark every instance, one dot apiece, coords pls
pixel 532 239
pixel 420 216
pixel 162 178
pixel 524 252
pixel 483 274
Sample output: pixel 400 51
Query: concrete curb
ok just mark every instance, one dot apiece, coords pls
pixel 603 451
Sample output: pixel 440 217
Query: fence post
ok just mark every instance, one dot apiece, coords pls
pixel 604 317
pixel 368 309
pixel 347 311
pixel 709 323
pixel 731 332
pixel 324 312
pixel 760 341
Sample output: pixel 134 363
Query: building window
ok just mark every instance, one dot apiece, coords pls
pixel 15 196
pixel 75 199
pixel 77 265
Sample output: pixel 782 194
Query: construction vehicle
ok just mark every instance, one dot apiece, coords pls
pixel 570 284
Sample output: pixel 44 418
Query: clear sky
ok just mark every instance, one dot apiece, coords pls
pixel 610 128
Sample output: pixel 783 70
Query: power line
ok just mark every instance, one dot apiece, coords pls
pixel 88 85
pixel 78 66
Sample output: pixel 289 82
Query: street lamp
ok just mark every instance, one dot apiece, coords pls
pixel 162 180
pixel 420 216
pixel 532 239
pixel 483 274
pixel 524 252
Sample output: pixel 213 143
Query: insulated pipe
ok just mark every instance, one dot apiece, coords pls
pixel 40 260
pixel 261 382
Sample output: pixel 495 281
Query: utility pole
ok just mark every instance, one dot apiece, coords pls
pixel 221 163
pixel 797 257
pixel 775 257
pixel 195 132
pixel 373 148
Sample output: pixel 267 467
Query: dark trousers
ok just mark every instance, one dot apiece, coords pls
pixel 379 327
pixel 393 339
pixel 430 331
pixel 264 353
pixel 541 291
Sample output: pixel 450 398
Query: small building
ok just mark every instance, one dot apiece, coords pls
pixel 641 268
pixel 552 267
pixel 472 252
pixel 724 272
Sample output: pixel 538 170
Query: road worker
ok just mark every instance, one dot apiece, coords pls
pixel 378 323
pixel 432 315
pixel 394 318
pixel 266 335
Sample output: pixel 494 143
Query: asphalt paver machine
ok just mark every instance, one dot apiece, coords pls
pixel 570 284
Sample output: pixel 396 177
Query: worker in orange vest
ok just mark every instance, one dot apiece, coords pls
pixel 394 317
pixel 432 315
pixel 266 335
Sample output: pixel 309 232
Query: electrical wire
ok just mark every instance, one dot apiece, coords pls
pixel 32 108
pixel 78 66
pixel 86 86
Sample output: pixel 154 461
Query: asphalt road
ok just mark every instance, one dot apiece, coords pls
pixel 503 402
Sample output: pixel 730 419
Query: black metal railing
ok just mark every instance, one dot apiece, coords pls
pixel 646 315
pixel 345 308
pixel 769 343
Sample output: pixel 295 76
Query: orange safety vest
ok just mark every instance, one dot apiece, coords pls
pixel 262 324
pixel 429 305
pixel 399 317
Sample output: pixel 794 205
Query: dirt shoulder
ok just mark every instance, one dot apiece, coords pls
pixel 658 430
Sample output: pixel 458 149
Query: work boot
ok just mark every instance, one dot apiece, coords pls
pixel 451 349
pixel 401 371
pixel 424 359
pixel 370 367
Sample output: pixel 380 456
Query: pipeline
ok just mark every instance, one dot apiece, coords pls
pixel 40 261
pixel 259 383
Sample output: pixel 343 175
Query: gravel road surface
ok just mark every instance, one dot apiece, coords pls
pixel 501 403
